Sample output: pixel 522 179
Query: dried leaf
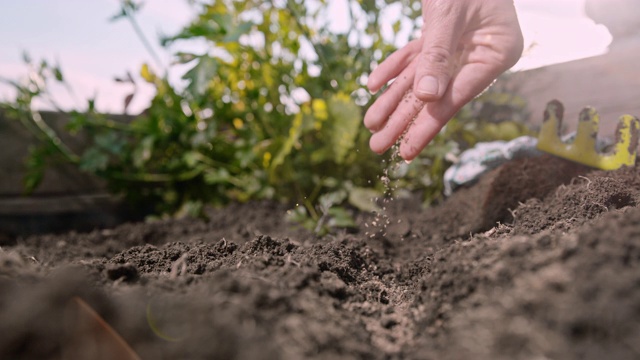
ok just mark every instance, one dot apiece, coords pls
pixel 127 101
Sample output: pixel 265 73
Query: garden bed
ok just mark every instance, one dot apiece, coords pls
pixel 539 259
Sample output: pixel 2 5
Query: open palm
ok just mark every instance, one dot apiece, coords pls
pixel 465 45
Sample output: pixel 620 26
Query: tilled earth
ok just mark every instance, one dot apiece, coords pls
pixel 538 260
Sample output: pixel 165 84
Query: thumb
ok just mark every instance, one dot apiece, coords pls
pixel 436 62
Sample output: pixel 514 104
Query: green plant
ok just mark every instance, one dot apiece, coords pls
pixel 271 110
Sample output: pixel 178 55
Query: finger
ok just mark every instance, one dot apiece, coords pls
pixel 467 84
pixel 442 30
pixel 406 111
pixel 378 114
pixel 420 133
pixel 393 65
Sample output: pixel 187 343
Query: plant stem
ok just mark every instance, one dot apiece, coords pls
pixel 153 178
pixel 52 137
pixel 112 125
pixel 143 38
pixel 305 31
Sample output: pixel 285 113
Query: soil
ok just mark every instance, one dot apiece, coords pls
pixel 538 260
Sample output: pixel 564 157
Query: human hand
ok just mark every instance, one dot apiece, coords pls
pixel 465 45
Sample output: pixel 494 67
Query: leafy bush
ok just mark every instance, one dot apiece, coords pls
pixel 272 110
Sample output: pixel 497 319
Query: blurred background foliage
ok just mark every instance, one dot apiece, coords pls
pixel 272 110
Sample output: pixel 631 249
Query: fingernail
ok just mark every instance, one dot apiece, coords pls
pixel 428 85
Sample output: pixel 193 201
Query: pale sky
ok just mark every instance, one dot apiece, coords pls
pixel 92 51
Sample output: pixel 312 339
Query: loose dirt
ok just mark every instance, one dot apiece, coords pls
pixel 538 260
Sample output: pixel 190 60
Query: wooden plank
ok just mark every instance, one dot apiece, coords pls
pixel 59 179
pixel 56 204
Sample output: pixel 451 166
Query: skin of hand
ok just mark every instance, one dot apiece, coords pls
pixel 465 45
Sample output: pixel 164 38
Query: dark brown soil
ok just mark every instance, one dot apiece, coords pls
pixel 539 260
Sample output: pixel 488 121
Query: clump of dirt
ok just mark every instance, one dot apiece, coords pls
pixel 493 199
pixel 553 295
pixel 539 259
pixel 525 179
pixel 574 205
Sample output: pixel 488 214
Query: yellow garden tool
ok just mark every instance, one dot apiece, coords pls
pixel 583 148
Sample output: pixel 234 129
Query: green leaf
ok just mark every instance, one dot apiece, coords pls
pixel 217 176
pixel 32 179
pixel 58 73
pixel 364 198
pixel 191 158
pixel 111 142
pixel 328 200
pixel 147 74
pixel 207 30
pixel 77 122
pixel 26 58
pixel 300 215
pixel 143 151
pixel 201 74
pixel 184 58
pixel 121 14
pixel 94 160
pixel 127 8
pixel 396 26
pixel 297 214
pixel 320 155
pixel 237 31
pixel 294 135
pixel 190 208
pixel 340 217
pixel 345 124
pixel 35 167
